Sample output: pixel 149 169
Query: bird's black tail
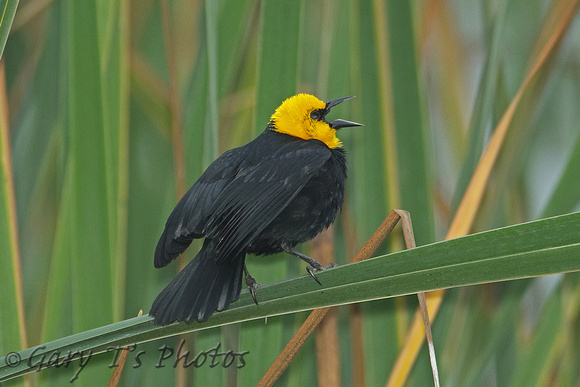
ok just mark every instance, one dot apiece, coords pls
pixel 201 288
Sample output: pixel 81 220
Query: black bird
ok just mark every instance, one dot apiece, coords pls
pixel 281 189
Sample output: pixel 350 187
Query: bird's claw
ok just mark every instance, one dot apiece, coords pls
pixel 253 292
pixel 311 270
pixel 252 286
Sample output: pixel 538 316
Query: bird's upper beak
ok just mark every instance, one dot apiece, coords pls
pixel 337 124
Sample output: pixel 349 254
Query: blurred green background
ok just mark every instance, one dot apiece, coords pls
pixel 114 107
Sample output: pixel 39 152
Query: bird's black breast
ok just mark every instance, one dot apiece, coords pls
pixel 312 210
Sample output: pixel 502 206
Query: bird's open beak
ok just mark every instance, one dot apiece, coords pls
pixel 337 124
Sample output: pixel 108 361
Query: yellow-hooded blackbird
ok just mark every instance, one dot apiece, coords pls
pixel 281 189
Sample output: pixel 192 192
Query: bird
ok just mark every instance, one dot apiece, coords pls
pixel 279 190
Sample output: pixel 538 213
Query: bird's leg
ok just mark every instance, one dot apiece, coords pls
pixel 314 264
pixel 252 284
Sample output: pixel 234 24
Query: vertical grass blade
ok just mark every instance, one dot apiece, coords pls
pixel 7 11
pixel 113 51
pixel 411 168
pixel 89 230
pixel 413 156
pixel 277 57
pixel 567 192
pixel 58 312
pixel 89 223
pixel 532 362
pixel 13 336
pixel 482 115
pixel 373 189
pixel 13 332
pixel 367 182
pixel 212 120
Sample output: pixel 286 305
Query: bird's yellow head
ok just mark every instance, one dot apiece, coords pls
pixel 304 116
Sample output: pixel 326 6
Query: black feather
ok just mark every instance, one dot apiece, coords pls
pixel 201 288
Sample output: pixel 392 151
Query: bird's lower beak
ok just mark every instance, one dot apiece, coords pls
pixel 337 124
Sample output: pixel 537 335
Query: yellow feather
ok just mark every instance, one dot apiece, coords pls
pixel 293 118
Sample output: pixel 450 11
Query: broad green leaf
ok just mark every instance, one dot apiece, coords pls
pixel 531 249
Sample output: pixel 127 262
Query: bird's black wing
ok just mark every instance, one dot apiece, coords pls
pixel 189 217
pixel 253 199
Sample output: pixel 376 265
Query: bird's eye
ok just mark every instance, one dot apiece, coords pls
pixel 315 115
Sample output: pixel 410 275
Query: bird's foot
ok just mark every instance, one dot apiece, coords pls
pixel 312 269
pixel 252 284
